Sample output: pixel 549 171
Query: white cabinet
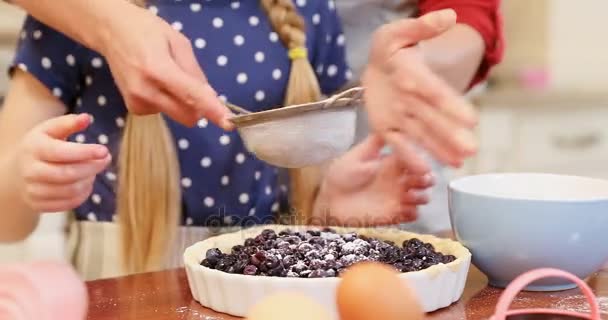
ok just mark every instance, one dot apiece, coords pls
pixel 11 19
pixel 553 132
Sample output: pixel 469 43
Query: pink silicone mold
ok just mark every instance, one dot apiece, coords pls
pixel 502 308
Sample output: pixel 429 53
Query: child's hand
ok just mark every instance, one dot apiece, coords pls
pixel 56 175
pixel 362 188
pixel 408 103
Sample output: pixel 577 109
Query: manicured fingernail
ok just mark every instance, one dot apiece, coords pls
pixel 440 19
pixel 466 141
pixel 227 124
pixel 84 116
pixel 446 18
pixel 189 99
pixel 428 178
pixel 100 152
pixel 418 196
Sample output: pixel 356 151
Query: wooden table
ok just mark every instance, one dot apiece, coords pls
pixel 165 295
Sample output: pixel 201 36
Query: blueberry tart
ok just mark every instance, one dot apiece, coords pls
pixel 255 262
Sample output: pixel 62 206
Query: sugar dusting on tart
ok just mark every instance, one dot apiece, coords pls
pixel 318 253
pixel 437 286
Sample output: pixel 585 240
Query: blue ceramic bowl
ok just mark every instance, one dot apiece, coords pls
pixel 516 222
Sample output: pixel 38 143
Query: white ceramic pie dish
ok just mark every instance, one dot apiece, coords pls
pixel 437 287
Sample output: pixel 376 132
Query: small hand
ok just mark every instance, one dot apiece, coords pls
pixel 56 175
pixel 408 103
pixel 363 188
pixel 159 72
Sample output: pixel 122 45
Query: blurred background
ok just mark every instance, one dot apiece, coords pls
pixel 545 109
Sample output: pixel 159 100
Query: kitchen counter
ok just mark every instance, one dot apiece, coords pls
pixel 166 295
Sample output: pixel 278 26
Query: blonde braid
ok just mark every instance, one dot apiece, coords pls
pixel 302 87
pixel 148 199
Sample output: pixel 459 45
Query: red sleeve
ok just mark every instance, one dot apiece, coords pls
pixel 482 15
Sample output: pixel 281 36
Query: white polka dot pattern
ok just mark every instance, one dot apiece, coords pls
pixel 241 78
pixel 225 140
pixel 243 59
pixel 97 63
pixel 340 40
pixel 273 36
pixel 183 144
pixel 200 43
pixel 206 162
pixel 111 176
pixel 276 74
pixel 239 40
pixel 103 139
pixel 70 60
pixel 254 21
pixel 202 123
pixel 101 101
pixel 209 202
pixel 46 63
pixel 57 92
pixel 195 7
pixel 260 95
pixel 186 182
pixel 259 56
pixel 91 216
pixel 218 23
pixel 222 60
pixel 332 70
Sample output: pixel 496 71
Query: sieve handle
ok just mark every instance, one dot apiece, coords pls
pixel 351 94
pixel 237 109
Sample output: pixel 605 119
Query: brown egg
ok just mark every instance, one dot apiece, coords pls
pixel 292 306
pixel 374 291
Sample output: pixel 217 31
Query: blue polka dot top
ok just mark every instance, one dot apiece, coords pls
pixel 244 61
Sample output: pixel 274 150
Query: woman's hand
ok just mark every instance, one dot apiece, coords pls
pixel 408 103
pixel 53 174
pixel 153 65
pixel 156 70
pixel 363 188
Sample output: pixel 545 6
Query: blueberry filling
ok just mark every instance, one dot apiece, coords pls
pixel 319 254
